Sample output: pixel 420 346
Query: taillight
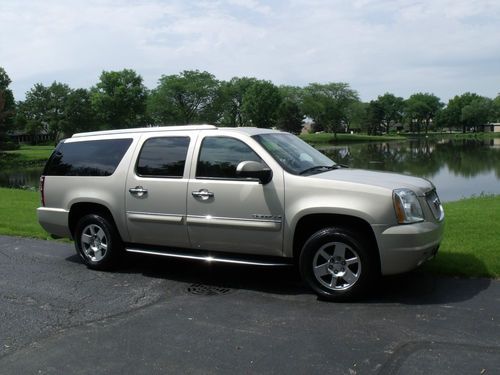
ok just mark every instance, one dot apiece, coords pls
pixel 42 192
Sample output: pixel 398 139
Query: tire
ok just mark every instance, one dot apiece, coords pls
pixel 336 265
pixel 97 242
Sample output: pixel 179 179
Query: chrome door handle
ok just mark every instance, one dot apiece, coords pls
pixel 203 194
pixel 138 191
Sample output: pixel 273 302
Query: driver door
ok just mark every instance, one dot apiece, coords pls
pixel 228 213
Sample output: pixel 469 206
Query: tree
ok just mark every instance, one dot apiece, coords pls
pixel 355 115
pixel 7 107
pixel 260 104
pixel 184 98
pixel 421 109
pixel 496 109
pixel 4 79
pixel 478 112
pixel 292 93
pixel 232 94
pixel 44 109
pixel 393 108
pixel 452 115
pixel 290 117
pixel 327 104
pixel 119 99
pixel 373 117
pixel 79 114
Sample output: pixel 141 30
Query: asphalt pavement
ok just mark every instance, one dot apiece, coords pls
pixel 157 316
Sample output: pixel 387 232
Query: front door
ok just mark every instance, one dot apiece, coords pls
pixel 228 213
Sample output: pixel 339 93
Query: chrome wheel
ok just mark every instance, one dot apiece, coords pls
pixel 336 266
pixel 94 242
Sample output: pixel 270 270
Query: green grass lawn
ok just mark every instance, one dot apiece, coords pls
pixel 328 138
pixel 457 136
pixel 18 213
pixel 325 138
pixel 30 153
pixel 471 245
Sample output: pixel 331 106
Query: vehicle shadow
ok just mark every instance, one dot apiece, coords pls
pixel 282 280
pixel 420 287
pixel 425 285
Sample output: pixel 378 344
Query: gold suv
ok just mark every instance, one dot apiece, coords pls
pixel 240 195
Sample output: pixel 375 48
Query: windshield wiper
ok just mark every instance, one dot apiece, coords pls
pixel 320 168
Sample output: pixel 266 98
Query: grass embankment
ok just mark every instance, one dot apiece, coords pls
pixel 471 245
pixel 18 213
pixel 472 136
pixel 328 138
pixel 479 136
pixel 27 155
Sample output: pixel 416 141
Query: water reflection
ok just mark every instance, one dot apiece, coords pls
pixel 23 178
pixel 458 168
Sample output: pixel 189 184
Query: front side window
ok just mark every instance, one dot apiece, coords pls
pixel 163 157
pixel 219 157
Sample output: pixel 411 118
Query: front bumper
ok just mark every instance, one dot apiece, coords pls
pixel 405 247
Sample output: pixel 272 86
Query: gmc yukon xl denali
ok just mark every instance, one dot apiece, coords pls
pixel 240 195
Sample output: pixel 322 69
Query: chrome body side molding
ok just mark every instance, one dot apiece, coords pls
pixel 207 257
pixel 272 225
pixel 154 217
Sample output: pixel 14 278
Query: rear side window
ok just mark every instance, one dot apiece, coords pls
pixel 87 158
pixel 163 157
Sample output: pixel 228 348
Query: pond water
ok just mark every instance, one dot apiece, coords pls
pixel 458 168
pixel 23 178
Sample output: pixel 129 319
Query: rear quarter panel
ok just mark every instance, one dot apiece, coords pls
pixel 62 192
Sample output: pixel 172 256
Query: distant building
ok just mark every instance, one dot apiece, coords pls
pixel 21 136
pixel 307 126
pixel 493 127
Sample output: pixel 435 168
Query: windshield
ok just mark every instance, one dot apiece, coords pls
pixel 293 154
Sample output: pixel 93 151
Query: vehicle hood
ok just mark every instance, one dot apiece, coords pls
pixel 381 179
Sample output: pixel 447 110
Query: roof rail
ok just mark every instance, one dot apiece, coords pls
pixel 146 130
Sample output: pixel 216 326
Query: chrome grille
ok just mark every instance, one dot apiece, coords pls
pixel 435 205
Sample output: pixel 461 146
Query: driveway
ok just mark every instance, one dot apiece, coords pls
pixel 157 316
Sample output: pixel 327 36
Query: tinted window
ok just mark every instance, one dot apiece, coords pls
pixel 87 158
pixel 292 153
pixel 219 157
pixel 163 157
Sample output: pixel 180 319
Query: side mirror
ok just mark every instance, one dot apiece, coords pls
pixel 254 170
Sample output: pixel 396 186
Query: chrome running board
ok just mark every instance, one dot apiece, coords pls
pixel 211 258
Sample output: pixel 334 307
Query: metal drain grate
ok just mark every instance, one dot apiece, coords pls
pixel 207 290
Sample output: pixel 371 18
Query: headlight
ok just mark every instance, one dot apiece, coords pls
pixel 407 206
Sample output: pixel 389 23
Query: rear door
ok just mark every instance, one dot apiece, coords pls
pixel 156 189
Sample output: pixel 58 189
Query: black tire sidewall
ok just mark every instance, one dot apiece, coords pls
pixel 309 250
pixel 114 243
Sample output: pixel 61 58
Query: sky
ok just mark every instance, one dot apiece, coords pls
pixel 445 47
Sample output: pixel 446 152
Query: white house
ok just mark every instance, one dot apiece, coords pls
pixel 492 127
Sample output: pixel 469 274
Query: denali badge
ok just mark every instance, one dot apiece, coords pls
pixel 267 217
